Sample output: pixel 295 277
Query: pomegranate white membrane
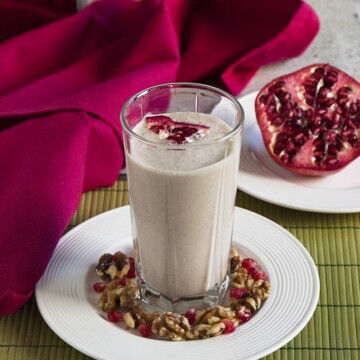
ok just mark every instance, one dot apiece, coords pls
pixel 182 196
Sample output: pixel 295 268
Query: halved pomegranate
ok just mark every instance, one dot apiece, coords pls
pixel 310 119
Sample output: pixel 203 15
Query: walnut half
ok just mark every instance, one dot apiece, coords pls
pixel 171 325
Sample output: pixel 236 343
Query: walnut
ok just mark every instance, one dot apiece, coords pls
pixel 110 298
pixel 171 325
pixel 116 295
pixel 209 322
pixel 252 302
pixel 129 292
pixel 241 279
pixel 234 260
pixel 136 315
pixel 112 267
pixel 262 289
pixel 130 321
pixel 214 315
pixel 203 331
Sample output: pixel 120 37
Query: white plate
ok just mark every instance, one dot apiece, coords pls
pixel 261 177
pixel 69 305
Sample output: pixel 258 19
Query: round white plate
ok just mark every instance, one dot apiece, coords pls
pixel 68 303
pixel 261 177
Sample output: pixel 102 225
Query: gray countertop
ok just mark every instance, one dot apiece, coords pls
pixel 337 43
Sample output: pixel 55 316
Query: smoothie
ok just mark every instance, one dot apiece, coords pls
pixel 182 206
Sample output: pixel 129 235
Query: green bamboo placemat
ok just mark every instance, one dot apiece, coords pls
pixel 333 241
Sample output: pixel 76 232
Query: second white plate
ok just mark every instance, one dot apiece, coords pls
pixel 261 177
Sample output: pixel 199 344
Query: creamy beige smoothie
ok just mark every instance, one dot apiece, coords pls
pixel 175 198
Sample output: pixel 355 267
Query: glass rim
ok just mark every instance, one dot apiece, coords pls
pixel 189 85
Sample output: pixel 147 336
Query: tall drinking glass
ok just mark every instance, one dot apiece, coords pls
pixel 182 190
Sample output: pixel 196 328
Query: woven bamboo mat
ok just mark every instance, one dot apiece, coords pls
pixel 333 241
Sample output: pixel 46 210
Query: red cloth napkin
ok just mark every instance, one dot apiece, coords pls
pixel 64 76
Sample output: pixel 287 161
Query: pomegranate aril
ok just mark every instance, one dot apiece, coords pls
pixel 319 72
pixel 309 96
pixel 356 144
pixel 132 272
pixel 300 139
pixel 310 81
pixel 350 124
pixel 243 314
pixel 177 138
pixel 260 275
pixel 248 263
pixel 252 272
pixel 238 293
pixel 310 90
pixel 330 137
pixel 353 108
pixel 285 158
pixel 114 316
pixel 99 287
pixel 271 109
pixel 351 138
pixel 145 330
pixel 319 153
pixel 290 146
pixel 229 326
pixel 279 147
pixel 267 99
pixel 284 97
pixel 330 78
pixel 331 161
pixel 190 315
pixel 347 132
pixel 316 131
pixel 278 121
pixel 342 101
pixel 281 137
pixel 332 149
pixel 330 102
pixel 323 92
pixel 343 91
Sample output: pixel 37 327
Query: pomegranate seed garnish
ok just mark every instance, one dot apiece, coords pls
pixel 238 293
pixel 243 314
pixel 174 131
pixel 99 287
pixel 132 272
pixel 190 315
pixel 252 272
pixel 114 316
pixel 229 326
pixel 121 282
pixel 260 275
pixel 145 330
pixel 248 263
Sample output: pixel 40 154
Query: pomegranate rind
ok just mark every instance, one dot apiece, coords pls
pixel 296 84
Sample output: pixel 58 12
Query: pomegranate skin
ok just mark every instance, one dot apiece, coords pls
pixel 310 120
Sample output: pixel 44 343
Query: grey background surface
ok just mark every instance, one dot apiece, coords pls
pixel 337 43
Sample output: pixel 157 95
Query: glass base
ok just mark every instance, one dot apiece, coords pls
pixel 212 298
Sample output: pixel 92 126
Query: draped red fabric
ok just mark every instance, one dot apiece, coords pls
pixel 64 76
